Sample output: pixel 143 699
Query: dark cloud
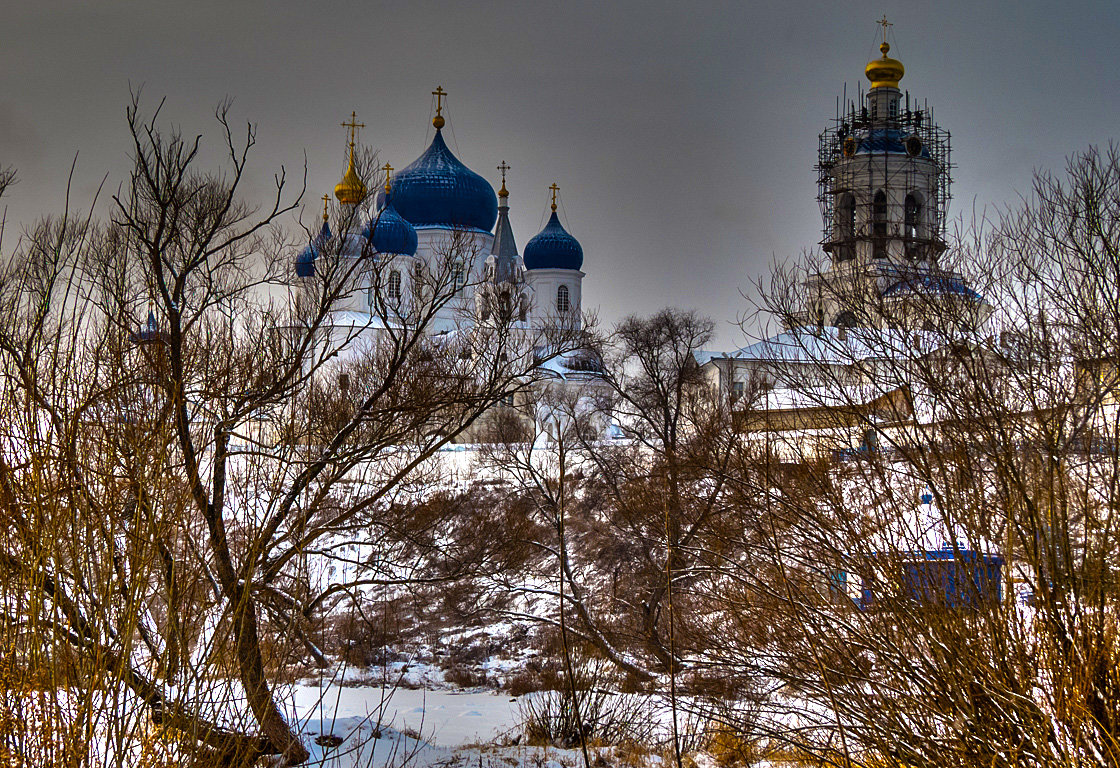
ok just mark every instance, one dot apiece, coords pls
pixel 682 135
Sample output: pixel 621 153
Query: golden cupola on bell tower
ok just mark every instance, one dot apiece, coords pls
pixel 884 72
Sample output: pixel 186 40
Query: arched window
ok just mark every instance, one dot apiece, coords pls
pixel 846 215
pixel 879 225
pixel 395 285
pixel 913 214
pixel 458 276
pixel 563 300
pixel 879 214
pixel 846 226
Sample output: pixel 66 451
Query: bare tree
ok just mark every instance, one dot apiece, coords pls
pixel 945 594
pixel 171 487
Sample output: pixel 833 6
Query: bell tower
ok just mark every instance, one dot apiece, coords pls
pixel 884 187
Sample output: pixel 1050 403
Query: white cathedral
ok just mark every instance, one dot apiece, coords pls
pixel 437 209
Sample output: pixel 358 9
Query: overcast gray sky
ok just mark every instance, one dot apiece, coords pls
pixel 682 135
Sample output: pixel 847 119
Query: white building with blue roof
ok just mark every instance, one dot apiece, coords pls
pixel 438 238
pixel 436 219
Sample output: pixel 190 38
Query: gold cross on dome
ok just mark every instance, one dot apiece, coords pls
pixel 555 189
pixel 884 24
pixel 326 201
pixel 439 93
pixel 388 175
pixel 503 167
pixel 353 125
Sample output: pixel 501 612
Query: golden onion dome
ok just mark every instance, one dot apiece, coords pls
pixel 884 72
pixel 351 190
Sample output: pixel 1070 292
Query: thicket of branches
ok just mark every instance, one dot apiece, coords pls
pixel 174 495
pixel 168 487
pixel 779 572
pixel 1009 425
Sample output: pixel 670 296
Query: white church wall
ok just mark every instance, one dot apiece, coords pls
pixel 545 284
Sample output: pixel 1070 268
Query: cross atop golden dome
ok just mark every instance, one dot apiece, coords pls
pixel 388 177
pixel 884 72
pixel 438 120
pixel 503 167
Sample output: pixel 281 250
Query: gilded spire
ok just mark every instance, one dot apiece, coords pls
pixel 351 190
pixel 503 167
pixel 438 120
pixel 884 72
pixel 388 177
pixel 555 189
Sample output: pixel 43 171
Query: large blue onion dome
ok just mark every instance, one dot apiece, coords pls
pixel 553 248
pixel 438 190
pixel 388 232
pixel 305 261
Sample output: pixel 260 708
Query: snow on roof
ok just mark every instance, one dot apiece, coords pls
pixel 704 356
pixel 831 396
pixel 576 364
pixel 348 318
pixel 838 346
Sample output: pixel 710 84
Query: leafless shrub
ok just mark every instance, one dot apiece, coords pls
pixel 555 716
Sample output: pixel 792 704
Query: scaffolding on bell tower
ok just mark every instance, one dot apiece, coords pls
pixel 883 181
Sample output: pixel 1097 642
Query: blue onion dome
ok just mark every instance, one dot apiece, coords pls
pixel 388 232
pixel 438 190
pixel 553 248
pixel 305 261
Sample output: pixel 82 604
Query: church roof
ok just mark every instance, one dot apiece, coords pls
pixel 504 249
pixel 887 141
pixel 885 71
pixel 438 190
pixel 149 332
pixel 932 284
pixel 553 248
pixel 504 244
pixel 388 231
pixel 305 261
pixel 835 346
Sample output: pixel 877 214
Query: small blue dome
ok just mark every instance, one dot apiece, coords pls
pixel 553 248
pixel 891 141
pixel 388 232
pixel 438 190
pixel 305 261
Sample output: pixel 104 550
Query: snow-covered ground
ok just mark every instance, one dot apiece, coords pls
pixel 383 726
pixel 444 718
